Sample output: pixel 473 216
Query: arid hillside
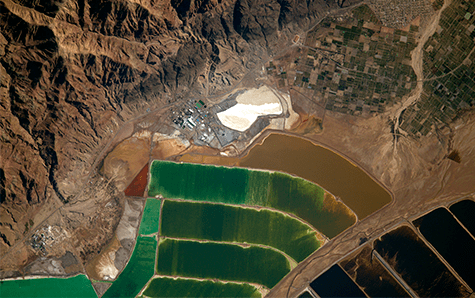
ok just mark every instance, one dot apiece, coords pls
pixel 72 73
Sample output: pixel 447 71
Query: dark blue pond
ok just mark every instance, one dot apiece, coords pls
pixel 450 239
pixel 336 283
pixel 465 212
pixel 418 265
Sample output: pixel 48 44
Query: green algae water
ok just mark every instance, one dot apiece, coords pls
pixel 78 286
pixel 235 224
pixel 309 202
pixel 138 271
pixel 169 287
pixel 257 187
pixel 197 182
pixel 150 217
pixel 242 186
pixel 221 261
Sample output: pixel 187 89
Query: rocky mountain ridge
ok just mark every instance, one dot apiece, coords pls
pixel 71 72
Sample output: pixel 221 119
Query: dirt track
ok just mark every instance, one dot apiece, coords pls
pixel 417 60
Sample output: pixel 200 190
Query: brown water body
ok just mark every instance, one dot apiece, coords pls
pixel 300 157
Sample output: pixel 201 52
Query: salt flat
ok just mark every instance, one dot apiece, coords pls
pixel 250 105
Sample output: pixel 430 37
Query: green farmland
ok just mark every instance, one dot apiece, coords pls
pixel 138 271
pixel 241 186
pixel 170 287
pixel 221 261
pixel 150 218
pixel 236 224
pixel 77 286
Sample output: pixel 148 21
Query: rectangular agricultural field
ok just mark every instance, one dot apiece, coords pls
pixel 77 286
pixel 138 271
pixel 309 202
pixel 198 182
pixel 236 224
pixel 150 217
pixel 177 287
pixel 418 265
pixel 226 262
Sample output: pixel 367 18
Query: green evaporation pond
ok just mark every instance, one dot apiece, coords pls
pixel 242 186
pixel 235 224
pixel 226 262
pixel 138 271
pixel 257 187
pixel 150 218
pixel 169 287
pixel 197 182
pixel 78 286
pixel 308 201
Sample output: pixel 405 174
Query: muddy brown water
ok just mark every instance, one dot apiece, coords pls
pixel 331 171
pixel 300 157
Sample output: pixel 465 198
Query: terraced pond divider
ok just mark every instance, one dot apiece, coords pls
pixel 138 271
pixel 221 261
pixel 371 275
pixel 451 240
pixel 465 211
pixel 276 190
pixel 418 265
pixel 219 222
pixel 165 287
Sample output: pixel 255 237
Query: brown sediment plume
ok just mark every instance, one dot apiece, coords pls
pixel 334 205
pixel 137 187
